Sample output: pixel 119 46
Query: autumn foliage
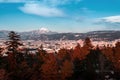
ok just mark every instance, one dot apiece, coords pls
pixel 81 63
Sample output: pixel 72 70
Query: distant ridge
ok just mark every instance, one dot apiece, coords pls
pixel 45 34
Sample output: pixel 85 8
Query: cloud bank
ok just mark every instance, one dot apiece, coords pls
pixel 41 10
pixel 55 2
pixel 12 1
pixel 110 21
pixel 46 8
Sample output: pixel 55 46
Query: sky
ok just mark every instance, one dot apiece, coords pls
pixel 60 15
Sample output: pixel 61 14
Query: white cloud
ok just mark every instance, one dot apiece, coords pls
pixel 112 19
pixel 52 2
pixel 47 8
pixel 109 22
pixel 41 10
pixel 109 19
pixel 12 1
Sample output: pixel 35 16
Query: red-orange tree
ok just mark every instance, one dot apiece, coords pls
pixel 50 69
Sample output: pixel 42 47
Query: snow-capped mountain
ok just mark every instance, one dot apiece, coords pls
pixel 42 31
pixel 45 34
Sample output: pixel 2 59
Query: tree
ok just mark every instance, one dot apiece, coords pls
pixel 116 56
pixel 87 43
pixel 50 69
pixel 41 55
pixel 1 51
pixel 12 45
pixel 14 42
pixel 87 47
pixel 66 69
pixel 61 55
pixel 117 44
pixel 3 74
pixel 77 52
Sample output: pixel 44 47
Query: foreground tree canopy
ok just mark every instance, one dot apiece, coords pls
pixel 80 63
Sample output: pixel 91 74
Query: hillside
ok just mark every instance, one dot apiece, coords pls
pixel 49 35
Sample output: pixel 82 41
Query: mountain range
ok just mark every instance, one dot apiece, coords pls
pixel 45 34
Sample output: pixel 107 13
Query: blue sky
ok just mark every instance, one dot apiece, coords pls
pixel 60 15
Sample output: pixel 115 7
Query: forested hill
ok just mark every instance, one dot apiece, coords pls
pixel 35 35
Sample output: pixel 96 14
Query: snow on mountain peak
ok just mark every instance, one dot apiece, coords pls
pixel 43 30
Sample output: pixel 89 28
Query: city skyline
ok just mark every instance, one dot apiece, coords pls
pixel 60 15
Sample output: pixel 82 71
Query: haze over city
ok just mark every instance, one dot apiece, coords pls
pixel 60 15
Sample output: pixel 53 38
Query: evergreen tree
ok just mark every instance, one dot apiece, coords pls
pixel 14 57
pixel 14 42
pixel 87 43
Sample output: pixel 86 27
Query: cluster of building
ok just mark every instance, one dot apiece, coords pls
pixel 50 46
pixel 56 45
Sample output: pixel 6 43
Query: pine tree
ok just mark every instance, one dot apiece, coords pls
pixel 87 43
pixel 13 55
pixel 14 42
